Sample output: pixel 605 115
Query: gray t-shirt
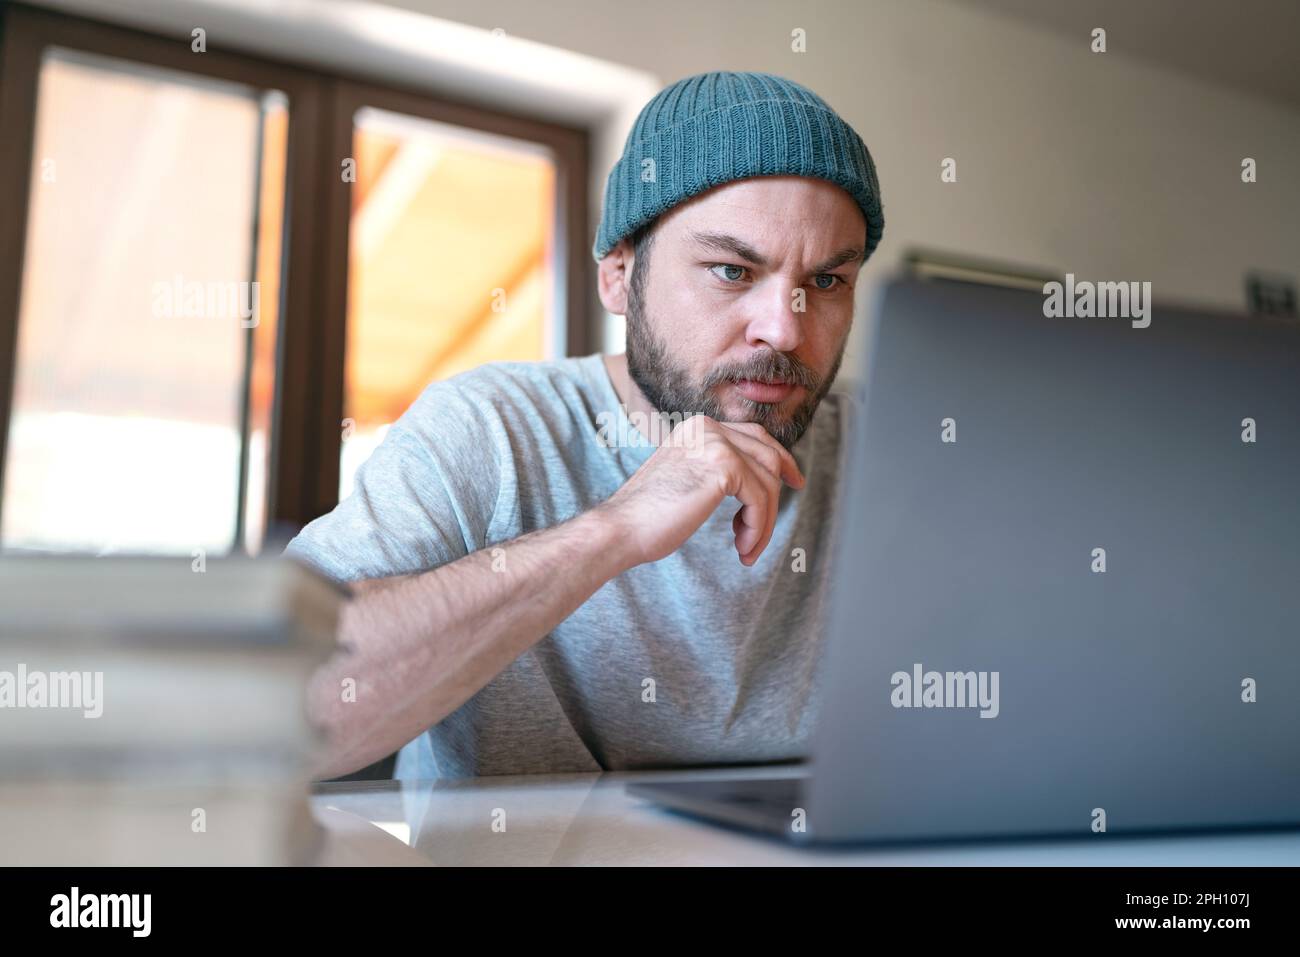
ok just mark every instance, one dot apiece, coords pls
pixel 692 660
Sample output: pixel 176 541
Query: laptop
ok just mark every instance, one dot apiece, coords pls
pixel 1066 595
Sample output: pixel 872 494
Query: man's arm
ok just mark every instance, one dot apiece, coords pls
pixel 419 646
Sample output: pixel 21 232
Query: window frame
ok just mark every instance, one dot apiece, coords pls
pixel 306 426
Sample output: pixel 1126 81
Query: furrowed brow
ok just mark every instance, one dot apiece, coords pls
pixel 846 255
pixel 723 242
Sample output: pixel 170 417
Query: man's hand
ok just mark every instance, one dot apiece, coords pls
pixel 702 462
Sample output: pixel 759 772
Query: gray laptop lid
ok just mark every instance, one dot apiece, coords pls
pixel 1118 691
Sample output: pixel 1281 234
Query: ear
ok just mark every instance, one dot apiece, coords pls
pixel 614 275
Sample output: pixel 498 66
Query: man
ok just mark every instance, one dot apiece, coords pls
pixel 543 586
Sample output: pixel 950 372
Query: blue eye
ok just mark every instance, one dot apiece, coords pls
pixel 833 280
pixel 734 273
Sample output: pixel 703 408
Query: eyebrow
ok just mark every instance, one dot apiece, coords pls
pixel 724 242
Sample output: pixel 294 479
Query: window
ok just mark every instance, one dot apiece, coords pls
pixel 218 266
pixel 140 310
pixel 449 264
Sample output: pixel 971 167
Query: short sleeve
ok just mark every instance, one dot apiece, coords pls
pixel 424 497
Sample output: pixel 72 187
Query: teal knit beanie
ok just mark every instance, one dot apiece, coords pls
pixel 714 128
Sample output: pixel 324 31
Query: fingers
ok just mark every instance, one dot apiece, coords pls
pixel 758 491
pixel 753 466
pixel 775 456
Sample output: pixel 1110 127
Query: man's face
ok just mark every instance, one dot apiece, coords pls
pixel 715 326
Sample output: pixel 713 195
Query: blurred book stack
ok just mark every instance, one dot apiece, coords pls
pixel 152 710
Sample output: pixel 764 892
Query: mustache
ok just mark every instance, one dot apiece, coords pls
pixel 766 366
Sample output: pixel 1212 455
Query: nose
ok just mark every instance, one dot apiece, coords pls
pixel 774 322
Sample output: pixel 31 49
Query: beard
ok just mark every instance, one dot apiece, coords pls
pixel 671 390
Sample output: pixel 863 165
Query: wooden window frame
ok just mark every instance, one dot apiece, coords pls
pixel 306 430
